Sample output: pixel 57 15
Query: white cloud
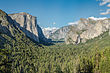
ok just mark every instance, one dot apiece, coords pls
pixel 50 28
pixel 73 23
pixel 94 18
pixel 106 13
pixel 108 5
pixel 104 2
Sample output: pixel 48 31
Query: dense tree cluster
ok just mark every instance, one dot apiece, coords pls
pixel 21 55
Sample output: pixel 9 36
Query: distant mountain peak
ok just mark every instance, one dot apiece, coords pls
pixel 49 30
pixel 100 18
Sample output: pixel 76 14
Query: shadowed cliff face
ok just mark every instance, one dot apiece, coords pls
pixel 7 29
pixel 6 25
pixel 28 24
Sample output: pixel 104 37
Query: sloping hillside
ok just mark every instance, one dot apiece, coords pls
pixel 16 50
pixel 28 24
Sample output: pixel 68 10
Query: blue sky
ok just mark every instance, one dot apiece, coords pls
pixel 60 12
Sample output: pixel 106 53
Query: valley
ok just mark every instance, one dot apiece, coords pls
pixel 25 49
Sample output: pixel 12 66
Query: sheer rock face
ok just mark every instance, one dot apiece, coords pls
pixel 28 24
pixel 59 34
pixel 49 31
pixel 87 29
pixel 95 29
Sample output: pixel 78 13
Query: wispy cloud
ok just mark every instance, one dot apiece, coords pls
pixel 108 5
pixel 106 13
pixel 104 2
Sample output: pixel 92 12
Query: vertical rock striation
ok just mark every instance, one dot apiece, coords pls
pixel 28 24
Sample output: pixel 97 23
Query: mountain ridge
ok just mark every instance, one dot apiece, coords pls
pixel 85 29
pixel 89 29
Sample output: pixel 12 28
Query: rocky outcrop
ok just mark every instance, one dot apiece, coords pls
pixel 73 32
pixel 28 24
pixel 59 34
pixel 6 24
pixel 88 29
pixel 49 31
pixel 8 30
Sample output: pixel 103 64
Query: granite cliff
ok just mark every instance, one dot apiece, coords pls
pixel 87 29
pixel 28 24
pixel 49 31
pixel 60 34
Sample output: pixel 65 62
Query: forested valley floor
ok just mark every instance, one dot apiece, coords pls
pixel 24 56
